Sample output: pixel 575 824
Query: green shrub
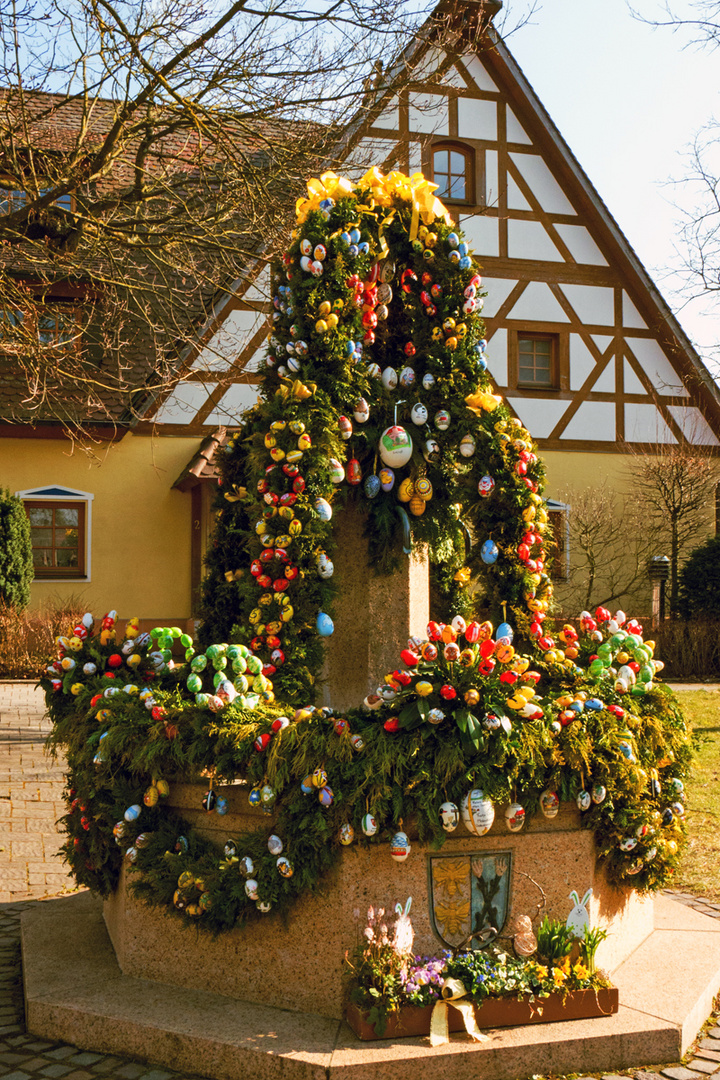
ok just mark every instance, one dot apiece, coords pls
pixel 16 562
pixel 700 581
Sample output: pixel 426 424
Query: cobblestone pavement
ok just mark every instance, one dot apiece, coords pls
pixel 31 787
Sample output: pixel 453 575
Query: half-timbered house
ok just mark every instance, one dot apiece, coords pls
pixel 581 343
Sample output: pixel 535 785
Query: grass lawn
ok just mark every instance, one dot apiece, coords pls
pixel 699 872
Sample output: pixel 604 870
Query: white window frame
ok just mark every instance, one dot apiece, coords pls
pixel 564 508
pixel 59 493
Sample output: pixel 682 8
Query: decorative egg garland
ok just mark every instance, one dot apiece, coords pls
pixel 377 299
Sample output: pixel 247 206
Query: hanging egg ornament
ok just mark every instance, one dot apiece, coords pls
pixel 419 414
pixel 449 816
pixel 325 566
pixel 486 486
pixel 325 796
pixel 133 812
pixel 275 844
pixel 346 428
pixel 549 803
pixel 369 825
pixel 324 625
pixel 467 446
pixel 598 793
pixel 489 552
pixel 584 800
pixel 400 847
pixel 407 377
pixel 372 486
pixel 362 411
pixel 515 817
pixel 387 479
pixel 417 505
pixel 431 450
pixel 428 381
pixel 389 378
pixel 478 813
pixel 395 446
pixel 251 888
pixel 354 472
pixel 347 834
pixel 337 472
pixel 423 488
pixel 323 509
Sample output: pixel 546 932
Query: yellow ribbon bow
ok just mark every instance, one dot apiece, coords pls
pixel 297 389
pixel 233 575
pixel 236 494
pixel 482 401
pixel 452 991
pixel 329 186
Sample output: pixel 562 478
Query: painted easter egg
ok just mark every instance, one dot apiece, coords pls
pixel 325 567
pixel 324 509
pixel 478 813
pixel 428 381
pixel 389 378
pixel 467 446
pixel 489 552
pixel 362 411
pixel 400 847
pixel 251 888
pixel 372 485
pixel 395 446
pixel 324 624
pixel 442 418
pixel 515 817
pixel 369 825
pixel 549 803
pixel 387 479
pixel 347 834
pixel 449 816
pixel 337 472
pixel 419 414
pixel 598 793
pixel 583 800
pixel 275 844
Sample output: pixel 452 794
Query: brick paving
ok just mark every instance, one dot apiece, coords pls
pixel 31 787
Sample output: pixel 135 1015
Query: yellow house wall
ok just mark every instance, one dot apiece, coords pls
pixel 140 542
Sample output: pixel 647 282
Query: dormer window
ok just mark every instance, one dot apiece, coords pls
pixel 453 173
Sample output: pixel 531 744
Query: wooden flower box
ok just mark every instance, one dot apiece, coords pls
pixel 493 1013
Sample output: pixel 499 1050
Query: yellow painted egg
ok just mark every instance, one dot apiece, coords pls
pixel 406 490
pixel 423 689
pixel 417 505
pixel 423 488
pixel 151 796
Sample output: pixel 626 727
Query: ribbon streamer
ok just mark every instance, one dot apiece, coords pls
pixel 452 991
pixel 297 389
pixel 482 401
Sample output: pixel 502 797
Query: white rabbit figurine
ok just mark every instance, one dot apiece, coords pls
pixel 578 918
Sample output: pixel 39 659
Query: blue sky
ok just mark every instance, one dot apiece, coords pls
pixel 629 99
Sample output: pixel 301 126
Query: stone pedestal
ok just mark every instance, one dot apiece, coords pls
pixel 374 615
pixel 299 963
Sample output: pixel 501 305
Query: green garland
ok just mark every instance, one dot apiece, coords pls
pixel 377 328
pixel 579 731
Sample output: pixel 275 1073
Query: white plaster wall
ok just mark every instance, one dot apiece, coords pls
pixel 544 186
pixel 631 383
pixel 260 291
pixel 581 244
pixel 593 304
pixel 477 119
pixel 693 425
pixel 631 316
pixel 537 304
pixel 498 290
pixel 491 178
pixel 515 198
pixel 478 73
pixel 539 415
pixel 582 363
pixel 389 117
pixel 643 423
pixel 428 113
pixel 515 131
pixel 183 403
pixel 657 366
pixel 229 340
pixel 237 399
pixel 529 240
pixel 481 233
pixel 593 422
pixel 497 357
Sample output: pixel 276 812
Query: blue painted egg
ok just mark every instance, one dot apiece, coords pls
pixel 387 479
pixel 324 624
pixel 453 240
pixel 372 485
pixel 324 509
pixel 489 552
pixel 504 630
pixel 465 262
pixel 133 812
pixel 255 798
pixel 354 236
pixel 221 806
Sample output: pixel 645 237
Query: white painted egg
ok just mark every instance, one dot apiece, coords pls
pixel 478 813
pixel 449 816
pixel 389 378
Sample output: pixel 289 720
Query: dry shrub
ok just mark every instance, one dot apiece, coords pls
pixel 27 639
pixel 690 648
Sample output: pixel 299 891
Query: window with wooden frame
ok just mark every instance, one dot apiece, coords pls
pixel 453 170
pixel 53 323
pixel 59 532
pixel 557 546
pixel 13 198
pixel 538 360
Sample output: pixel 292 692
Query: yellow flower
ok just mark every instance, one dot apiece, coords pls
pixel 580 971
pixel 559 976
pixel 565 965
pixel 541 971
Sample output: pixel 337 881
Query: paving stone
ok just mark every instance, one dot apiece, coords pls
pixel 33 1064
pixel 714 1033
pixel 679 1072
pixel 708 1052
pixel 131 1071
pixel 56 1070
pixel 38 1047
pixel 614 1076
pixel 11 1057
pixel 62 1052
pixel 106 1065
pixel 79 1074
pixel 158 1074
pixel 85 1059
pixel 705 1066
pixel 10 1029
pixel 644 1074
pixel 17 1075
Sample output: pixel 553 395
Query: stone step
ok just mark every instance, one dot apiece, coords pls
pixel 75 992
